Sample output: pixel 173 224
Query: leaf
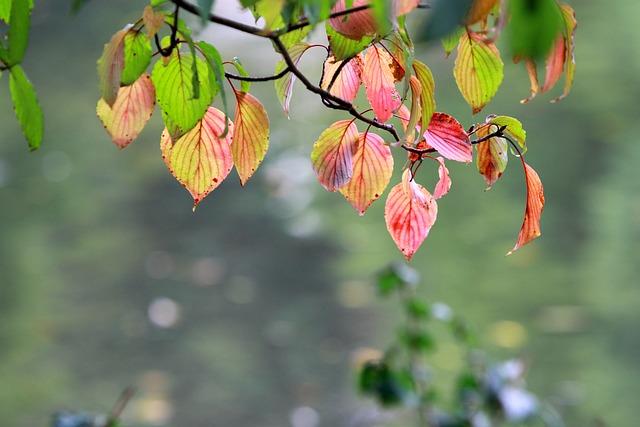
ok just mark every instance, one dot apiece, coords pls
pixel 535 203
pixel 379 81
pixel 332 154
pixel 570 24
pixel 533 27
pixel 480 10
pixel 347 83
pixel 137 56
pixel 447 135
pixel 427 98
pixel 355 25
pixel 410 212
pixel 450 41
pixel 554 64
pixel 153 21
pixel 513 128
pixel 216 69
pixel 402 7
pixel 205 7
pixel 343 47
pixel 533 78
pixel 416 110
pixel 245 86
pixel 174 92
pixel 444 183
pixel 284 85
pixel 200 159
pixel 131 111
pixel 251 135
pixel 18 32
pixel 492 156
pixel 110 66
pixel 478 70
pixel 25 104
pixel 372 168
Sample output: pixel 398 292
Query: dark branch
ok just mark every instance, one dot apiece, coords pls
pixel 496 134
pixel 257 79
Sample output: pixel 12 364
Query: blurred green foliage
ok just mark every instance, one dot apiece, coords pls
pixel 251 310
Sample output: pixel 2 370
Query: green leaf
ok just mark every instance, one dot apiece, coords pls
pixel 450 41
pixel 216 69
pixel 205 8
pixel 137 56
pixel 533 27
pixel 244 85
pixel 155 3
pixel 174 91
pixel 18 33
pixel 25 104
pixel 378 380
pixel 5 9
pixel 343 47
pixel 513 128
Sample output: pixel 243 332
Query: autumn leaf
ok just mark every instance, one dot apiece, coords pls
pixel 130 112
pixel 416 110
pixel 532 72
pixel 200 160
pixel 478 70
pixel 410 212
pixel 110 66
pixel 284 85
pixel 427 98
pixel 444 183
pixel 492 156
pixel 251 135
pixel 355 25
pixel 379 81
pixel 332 154
pixel 513 127
pixel 535 203
pixel 345 85
pixel 447 135
pixel 570 24
pixel 372 168
pixel 153 21
pixel 479 10
pixel 175 92
pixel 554 63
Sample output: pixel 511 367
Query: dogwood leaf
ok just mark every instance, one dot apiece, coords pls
pixel 427 98
pixel 153 21
pixel 554 65
pixel 447 135
pixel 444 183
pixel 137 56
pixel 251 135
pixel 346 83
pixel 478 70
pixel 535 203
pixel 200 159
pixel 343 47
pixel 372 168
pixel 284 85
pixel 513 128
pixel 379 82
pixel 110 66
pixel 130 112
pixel 410 212
pixel 492 156
pixel 570 24
pixel 355 25
pixel 26 106
pixel 332 154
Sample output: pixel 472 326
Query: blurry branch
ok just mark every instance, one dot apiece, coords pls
pixel 328 99
pixel 119 406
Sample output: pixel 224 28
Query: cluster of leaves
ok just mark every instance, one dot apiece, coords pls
pixel 16 14
pixel 368 45
pixel 486 394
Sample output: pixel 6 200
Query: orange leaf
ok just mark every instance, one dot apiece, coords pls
pixel 379 83
pixel 347 82
pixel 535 203
pixel 372 168
pixel 492 156
pixel 332 154
pixel 200 160
pixel 555 63
pixel 251 136
pixel 130 111
pixel 447 135
pixel 410 212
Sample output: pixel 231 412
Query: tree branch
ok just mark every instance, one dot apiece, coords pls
pixel 257 79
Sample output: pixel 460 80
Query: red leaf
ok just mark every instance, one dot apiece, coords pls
pixel 379 83
pixel 410 212
pixel 554 64
pixel 447 135
pixel 200 160
pixel 130 111
pixel 110 66
pixel 444 183
pixel 332 154
pixel 355 25
pixel 535 203
pixel 372 168
pixel 346 84
pixel 251 135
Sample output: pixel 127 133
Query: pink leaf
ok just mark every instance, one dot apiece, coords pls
pixel 346 84
pixel 200 160
pixel 372 168
pixel 447 135
pixel 535 203
pixel 444 183
pixel 355 25
pixel 332 154
pixel 251 135
pixel 110 66
pixel 379 83
pixel 130 111
pixel 409 213
pixel 402 7
pixel 554 64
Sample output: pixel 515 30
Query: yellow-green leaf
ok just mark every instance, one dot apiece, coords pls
pixel 251 136
pixel 427 97
pixel 478 70
pixel 25 104
pixel 332 154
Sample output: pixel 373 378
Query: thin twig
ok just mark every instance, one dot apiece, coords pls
pixel 257 79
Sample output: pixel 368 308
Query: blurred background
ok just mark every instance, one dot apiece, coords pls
pixel 252 310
